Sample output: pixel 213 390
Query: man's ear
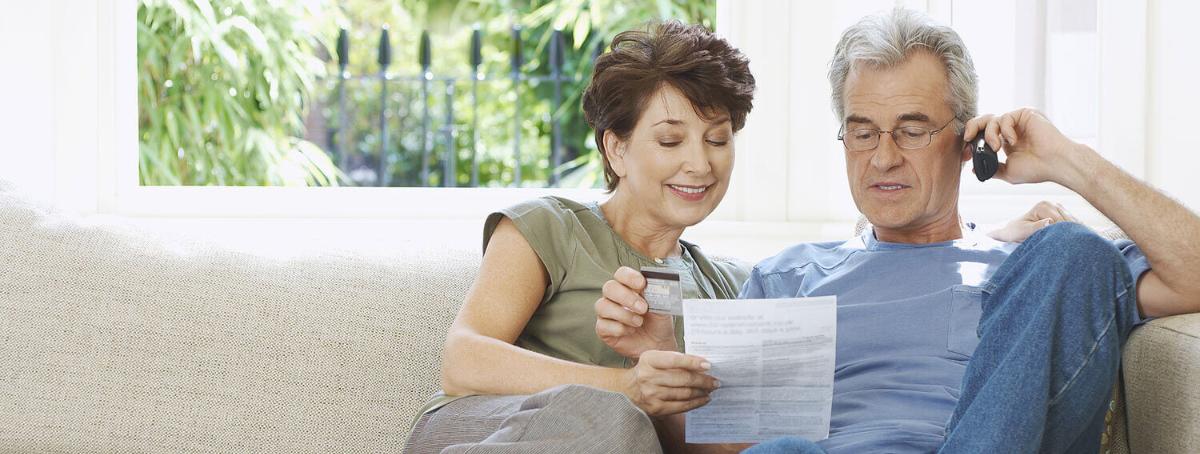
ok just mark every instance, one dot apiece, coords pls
pixel 614 150
pixel 966 151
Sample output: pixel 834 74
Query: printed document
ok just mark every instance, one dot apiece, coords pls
pixel 774 359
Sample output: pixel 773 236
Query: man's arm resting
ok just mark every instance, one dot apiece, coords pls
pixel 1166 231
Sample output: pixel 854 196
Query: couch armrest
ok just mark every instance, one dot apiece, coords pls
pixel 1162 385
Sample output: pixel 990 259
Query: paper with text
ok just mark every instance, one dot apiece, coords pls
pixel 774 358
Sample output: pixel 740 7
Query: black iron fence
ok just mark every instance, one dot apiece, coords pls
pixel 437 149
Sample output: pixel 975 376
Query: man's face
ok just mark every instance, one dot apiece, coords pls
pixel 905 191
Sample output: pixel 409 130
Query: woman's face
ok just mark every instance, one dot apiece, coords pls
pixel 675 165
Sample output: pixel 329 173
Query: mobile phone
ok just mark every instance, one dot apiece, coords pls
pixel 983 158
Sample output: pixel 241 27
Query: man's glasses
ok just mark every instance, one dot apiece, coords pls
pixel 908 137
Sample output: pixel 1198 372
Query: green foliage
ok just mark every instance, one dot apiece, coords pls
pixel 222 90
pixel 586 24
pixel 288 66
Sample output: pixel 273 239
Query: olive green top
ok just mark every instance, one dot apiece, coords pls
pixel 580 252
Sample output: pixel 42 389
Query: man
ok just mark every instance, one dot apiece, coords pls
pixel 947 340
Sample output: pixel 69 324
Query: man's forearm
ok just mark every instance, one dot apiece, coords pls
pixel 1166 231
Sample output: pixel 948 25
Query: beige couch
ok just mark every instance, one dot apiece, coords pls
pixel 111 340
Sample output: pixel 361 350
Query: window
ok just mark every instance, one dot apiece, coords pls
pixel 363 93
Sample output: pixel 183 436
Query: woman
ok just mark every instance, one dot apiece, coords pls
pixel 665 104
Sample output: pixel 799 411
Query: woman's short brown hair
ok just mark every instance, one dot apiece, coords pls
pixel 712 74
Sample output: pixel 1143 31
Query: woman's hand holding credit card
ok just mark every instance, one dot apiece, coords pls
pixel 634 314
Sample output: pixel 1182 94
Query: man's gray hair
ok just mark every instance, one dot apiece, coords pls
pixel 887 39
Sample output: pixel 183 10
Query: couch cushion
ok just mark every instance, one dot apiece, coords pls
pixel 118 341
pixel 1162 385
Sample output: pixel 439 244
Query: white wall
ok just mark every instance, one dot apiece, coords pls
pixel 27 96
pixel 1173 76
pixel 50 118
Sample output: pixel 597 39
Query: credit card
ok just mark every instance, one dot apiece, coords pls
pixel 663 293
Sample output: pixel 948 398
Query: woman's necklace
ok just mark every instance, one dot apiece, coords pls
pixel 663 260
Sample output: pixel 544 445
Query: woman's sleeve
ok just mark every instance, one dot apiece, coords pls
pixel 548 228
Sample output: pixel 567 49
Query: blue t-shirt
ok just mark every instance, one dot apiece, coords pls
pixel 907 319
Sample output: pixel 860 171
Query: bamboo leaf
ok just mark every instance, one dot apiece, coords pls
pixel 204 7
pixel 583 25
pixel 257 39
pixel 172 126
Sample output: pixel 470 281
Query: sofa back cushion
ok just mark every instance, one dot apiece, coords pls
pixel 114 340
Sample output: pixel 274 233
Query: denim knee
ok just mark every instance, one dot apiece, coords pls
pixel 1081 264
pixel 1072 244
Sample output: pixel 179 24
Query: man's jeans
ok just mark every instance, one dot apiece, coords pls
pixel 1054 317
